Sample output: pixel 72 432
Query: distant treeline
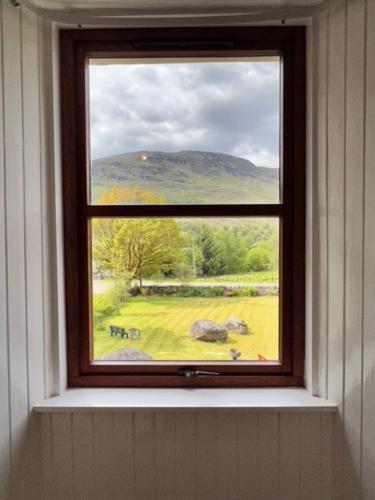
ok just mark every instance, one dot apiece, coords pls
pixel 227 248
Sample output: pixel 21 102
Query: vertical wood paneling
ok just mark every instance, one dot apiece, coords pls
pixel 227 456
pixel 186 456
pixel 326 457
pixel 47 455
pixel 15 240
pixel 368 375
pixel 310 456
pixel 103 456
pixel 207 473
pixel 123 456
pixel 62 456
pixel 320 170
pixel 21 345
pixel 33 238
pixel 47 172
pixel 336 222
pixel 350 197
pixel 354 246
pixel 33 213
pixel 90 456
pixel 311 344
pixel 165 446
pixel 269 465
pixel 83 456
pixel 248 455
pixel 144 455
pixel 336 199
pixel 4 332
pixel 290 459
pixel 34 473
pixel 58 214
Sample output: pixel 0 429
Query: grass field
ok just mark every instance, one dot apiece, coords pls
pixel 165 322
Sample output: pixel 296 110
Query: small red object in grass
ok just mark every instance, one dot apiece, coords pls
pixel 261 358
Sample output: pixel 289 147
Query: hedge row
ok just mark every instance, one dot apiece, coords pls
pixel 203 291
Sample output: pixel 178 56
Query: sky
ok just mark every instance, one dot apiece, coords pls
pixel 223 107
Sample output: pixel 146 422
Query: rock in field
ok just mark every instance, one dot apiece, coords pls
pixel 125 355
pixel 208 331
pixel 236 325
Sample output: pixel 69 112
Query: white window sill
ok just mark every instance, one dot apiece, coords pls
pixel 78 400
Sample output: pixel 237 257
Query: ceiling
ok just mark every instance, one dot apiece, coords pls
pixel 129 13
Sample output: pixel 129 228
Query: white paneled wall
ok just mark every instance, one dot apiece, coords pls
pixel 214 455
pixel 27 259
pixel 187 456
pixel 344 170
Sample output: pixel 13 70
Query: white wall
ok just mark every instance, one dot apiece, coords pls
pixel 188 456
pixel 213 455
pixel 344 235
pixel 28 304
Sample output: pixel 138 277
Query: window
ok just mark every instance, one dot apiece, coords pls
pixel 184 206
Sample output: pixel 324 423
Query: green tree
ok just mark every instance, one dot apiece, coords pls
pixel 134 248
pixel 258 259
pixel 211 253
pixel 233 249
pixel 118 293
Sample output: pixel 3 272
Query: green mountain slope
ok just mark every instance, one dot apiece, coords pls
pixel 188 177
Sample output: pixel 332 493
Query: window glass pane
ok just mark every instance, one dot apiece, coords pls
pixel 185 289
pixel 197 131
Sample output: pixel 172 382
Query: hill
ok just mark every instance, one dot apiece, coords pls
pixel 188 177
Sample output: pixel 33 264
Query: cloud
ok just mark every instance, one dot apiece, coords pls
pixel 256 154
pixel 228 107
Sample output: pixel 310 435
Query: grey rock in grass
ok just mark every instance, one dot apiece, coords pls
pixel 236 325
pixel 125 355
pixel 208 331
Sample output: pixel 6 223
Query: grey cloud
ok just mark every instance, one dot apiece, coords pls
pixel 223 107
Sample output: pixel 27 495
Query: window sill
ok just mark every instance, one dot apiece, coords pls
pixel 81 400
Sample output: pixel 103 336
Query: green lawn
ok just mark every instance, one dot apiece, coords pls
pixel 165 323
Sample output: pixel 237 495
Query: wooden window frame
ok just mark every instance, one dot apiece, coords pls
pixel 76 47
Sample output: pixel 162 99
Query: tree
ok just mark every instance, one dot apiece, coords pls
pixel 118 292
pixel 258 259
pixel 233 248
pixel 211 253
pixel 135 247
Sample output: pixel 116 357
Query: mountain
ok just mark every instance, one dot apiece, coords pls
pixel 188 177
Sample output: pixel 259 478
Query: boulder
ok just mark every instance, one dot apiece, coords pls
pixel 125 355
pixel 236 325
pixel 208 331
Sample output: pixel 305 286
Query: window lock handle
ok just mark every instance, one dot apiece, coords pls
pixel 189 373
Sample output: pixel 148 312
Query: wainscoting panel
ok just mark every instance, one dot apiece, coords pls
pixel 186 455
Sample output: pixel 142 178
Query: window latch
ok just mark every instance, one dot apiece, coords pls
pixel 188 373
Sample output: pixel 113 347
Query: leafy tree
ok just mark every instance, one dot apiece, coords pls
pixel 258 259
pixel 132 195
pixel 134 248
pixel 233 248
pixel 273 246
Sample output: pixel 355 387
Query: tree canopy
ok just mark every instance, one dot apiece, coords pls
pixel 135 247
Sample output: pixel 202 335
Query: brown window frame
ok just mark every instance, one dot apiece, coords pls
pixel 76 47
